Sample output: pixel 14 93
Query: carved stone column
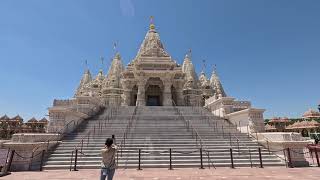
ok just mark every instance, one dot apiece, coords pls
pixel 179 94
pixel 167 96
pixel 141 94
pixel 126 94
pixel 126 97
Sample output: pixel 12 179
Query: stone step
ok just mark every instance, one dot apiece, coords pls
pixel 155 130
pixel 145 143
pixel 134 155
pixel 162 161
pixel 159 150
pixel 166 165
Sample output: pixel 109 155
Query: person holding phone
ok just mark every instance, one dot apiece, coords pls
pixel 108 164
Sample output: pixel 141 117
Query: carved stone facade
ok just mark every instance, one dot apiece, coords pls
pixel 152 78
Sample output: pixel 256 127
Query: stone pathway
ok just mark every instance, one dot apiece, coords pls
pixel 182 174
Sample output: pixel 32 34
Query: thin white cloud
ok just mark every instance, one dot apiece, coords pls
pixel 127 8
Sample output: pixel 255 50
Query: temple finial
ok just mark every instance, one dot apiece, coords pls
pixel 214 68
pixel 115 44
pixel 152 26
pixel 188 54
pixel 86 65
pixel 102 61
pixel 203 66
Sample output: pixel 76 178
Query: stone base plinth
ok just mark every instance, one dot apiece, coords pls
pixel 280 143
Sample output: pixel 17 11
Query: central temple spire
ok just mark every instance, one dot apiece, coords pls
pixel 152 45
pixel 152 26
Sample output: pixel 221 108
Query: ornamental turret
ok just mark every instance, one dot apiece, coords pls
pixel 204 82
pixel 112 88
pixel 86 79
pixel 190 74
pixel 97 83
pixel 216 85
pixel 100 77
pixel 114 74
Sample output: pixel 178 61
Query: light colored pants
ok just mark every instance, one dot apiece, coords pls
pixel 107 172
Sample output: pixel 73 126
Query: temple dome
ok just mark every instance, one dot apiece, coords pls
pixel 152 45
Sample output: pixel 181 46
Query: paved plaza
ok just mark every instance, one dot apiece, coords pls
pixel 188 174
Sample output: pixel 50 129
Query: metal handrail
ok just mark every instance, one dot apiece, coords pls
pixel 81 141
pixel 122 142
pixel 189 124
pixel 234 126
pixel 237 139
pixel 87 135
pixel 267 141
pixel 126 131
pixel 60 132
pixel 250 135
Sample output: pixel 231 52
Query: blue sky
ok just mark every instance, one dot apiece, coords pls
pixel 266 51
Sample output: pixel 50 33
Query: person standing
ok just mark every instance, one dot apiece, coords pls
pixel 108 164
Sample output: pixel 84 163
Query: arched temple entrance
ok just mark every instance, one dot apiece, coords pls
pixel 133 96
pixel 154 91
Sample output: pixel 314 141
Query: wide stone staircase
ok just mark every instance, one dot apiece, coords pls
pixel 190 133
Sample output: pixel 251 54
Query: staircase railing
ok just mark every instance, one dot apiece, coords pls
pixel 193 131
pixel 125 133
pixel 121 145
pixel 60 134
pixel 249 135
pixel 266 140
pixel 231 135
pixel 91 133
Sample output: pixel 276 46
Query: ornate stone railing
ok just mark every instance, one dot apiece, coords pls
pixel 240 105
pixel 64 102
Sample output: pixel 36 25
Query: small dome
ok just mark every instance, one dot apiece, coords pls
pixel 32 120
pixel 311 113
pixel 44 120
pixel 304 124
pixel 17 117
pixel 279 120
pixel 5 117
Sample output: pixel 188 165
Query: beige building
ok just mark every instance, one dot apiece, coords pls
pixel 152 78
